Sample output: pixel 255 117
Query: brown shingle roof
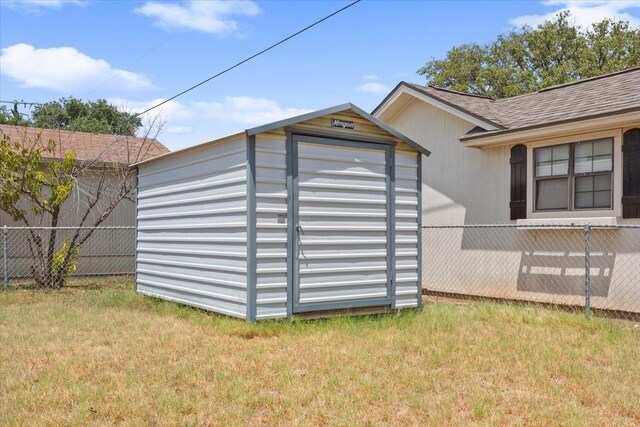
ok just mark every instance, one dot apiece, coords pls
pixel 88 146
pixel 477 106
pixel 609 94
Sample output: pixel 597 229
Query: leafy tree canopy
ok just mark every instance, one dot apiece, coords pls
pixel 526 60
pixel 92 116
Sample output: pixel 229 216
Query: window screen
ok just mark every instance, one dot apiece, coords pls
pixel 552 161
pixel 574 176
pixel 552 194
pixel 593 156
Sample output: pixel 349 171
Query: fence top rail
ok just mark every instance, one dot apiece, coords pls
pixel 534 226
pixel 70 228
pixel 519 226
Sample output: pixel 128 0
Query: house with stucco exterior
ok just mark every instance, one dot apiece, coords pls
pixel 567 154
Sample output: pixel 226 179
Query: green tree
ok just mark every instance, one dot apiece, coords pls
pixel 93 116
pixel 529 59
pixel 612 46
pixel 45 186
pixel 35 183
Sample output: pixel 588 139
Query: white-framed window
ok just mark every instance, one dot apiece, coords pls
pixel 574 176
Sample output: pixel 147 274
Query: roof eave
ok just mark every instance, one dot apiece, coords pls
pixel 491 125
pixel 404 87
pixel 94 163
pixel 381 106
pixel 183 150
pixel 508 136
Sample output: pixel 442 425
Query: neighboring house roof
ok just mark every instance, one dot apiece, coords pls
pixel 88 146
pixel 610 94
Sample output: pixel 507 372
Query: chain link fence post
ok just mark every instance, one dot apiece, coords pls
pixel 5 250
pixel 587 270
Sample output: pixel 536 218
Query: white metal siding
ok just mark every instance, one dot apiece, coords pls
pixel 342 196
pixel 192 228
pixel 271 201
pixel 271 188
pixel 407 228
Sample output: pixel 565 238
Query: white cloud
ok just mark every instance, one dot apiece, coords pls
pixel 179 129
pixel 246 111
pixel 65 69
pixel 198 121
pixel 371 84
pixel 585 13
pixel 172 110
pixel 36 6
pixel 239 110
pixel 373 87
pixel 207 16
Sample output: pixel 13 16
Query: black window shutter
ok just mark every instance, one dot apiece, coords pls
pixel 518 203
pixel 631 174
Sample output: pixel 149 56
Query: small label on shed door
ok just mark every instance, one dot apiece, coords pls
pixel 282 218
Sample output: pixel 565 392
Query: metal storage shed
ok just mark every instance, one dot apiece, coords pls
pixel 317 212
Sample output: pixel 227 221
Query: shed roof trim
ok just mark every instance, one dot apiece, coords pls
pixel 337 109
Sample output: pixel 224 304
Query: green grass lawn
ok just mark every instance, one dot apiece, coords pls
pixel 108 356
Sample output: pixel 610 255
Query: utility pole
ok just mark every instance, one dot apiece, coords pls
pixel 16 115
pixel 15 112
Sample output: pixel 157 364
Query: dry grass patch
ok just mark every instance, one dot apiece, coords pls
pixel 109 356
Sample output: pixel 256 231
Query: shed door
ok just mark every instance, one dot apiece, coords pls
pixel 342 224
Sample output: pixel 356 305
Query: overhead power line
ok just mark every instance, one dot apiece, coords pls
pixel 140 58
pixel 25 103
pixel 15 104
pixel 308 27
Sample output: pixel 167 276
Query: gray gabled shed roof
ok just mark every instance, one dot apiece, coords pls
pixel 337 109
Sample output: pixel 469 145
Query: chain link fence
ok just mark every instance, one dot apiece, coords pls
pixel 591 268
pixel 46 257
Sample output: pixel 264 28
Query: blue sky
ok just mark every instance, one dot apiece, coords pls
pixel 137 53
